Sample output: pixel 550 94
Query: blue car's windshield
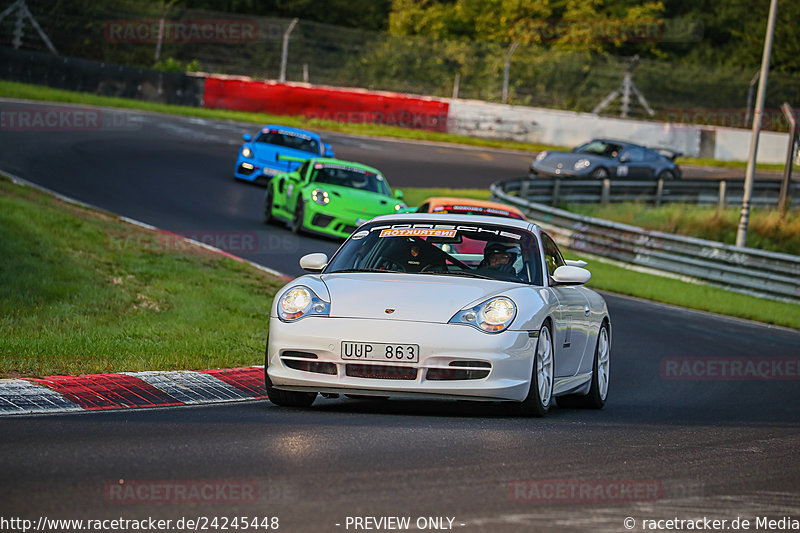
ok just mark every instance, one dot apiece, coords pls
pixel 470 250
pixel 352 177
pixel 289 139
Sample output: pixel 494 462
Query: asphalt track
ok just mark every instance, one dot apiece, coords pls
pixel 716 448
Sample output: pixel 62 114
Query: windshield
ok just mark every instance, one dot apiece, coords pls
pixel 480 251
pixel 352 177
pixel 289 139
pixel 465 209
pixel 601 148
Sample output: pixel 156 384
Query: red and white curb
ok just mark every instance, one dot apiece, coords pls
pixel 130 390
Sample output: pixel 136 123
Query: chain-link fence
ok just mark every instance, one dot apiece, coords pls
pixel 127 32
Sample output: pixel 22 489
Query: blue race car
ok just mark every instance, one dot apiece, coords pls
pixel 258 159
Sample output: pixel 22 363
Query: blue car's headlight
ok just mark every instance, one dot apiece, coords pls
pixel 299 302
pixel 492 316
pixel 247 152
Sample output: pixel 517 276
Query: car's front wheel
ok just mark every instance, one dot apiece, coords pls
pixel 666 175
pixel 286 398
pixel 540 395
pixel 269 200
pixel 299 214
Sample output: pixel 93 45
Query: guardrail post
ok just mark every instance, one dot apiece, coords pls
pixel 723 187
pixel 556 192
pixel 605 194
pixel 659 192
pixel 523 188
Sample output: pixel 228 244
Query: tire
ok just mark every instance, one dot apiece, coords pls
pixel 285 398
pixel 540 394
pixel 296 225
pixel 598 391
pixel 600 173
pixel 269 199
pixel 666 175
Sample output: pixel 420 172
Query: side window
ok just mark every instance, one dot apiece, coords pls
pixel 634 155
pixel 424 208
pixel 552 257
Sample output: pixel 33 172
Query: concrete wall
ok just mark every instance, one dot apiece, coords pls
pixel 566 128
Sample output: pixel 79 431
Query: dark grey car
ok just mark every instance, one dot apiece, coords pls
pixel 603 158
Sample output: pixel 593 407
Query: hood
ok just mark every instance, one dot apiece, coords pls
pixel 357 203
pixel 414 297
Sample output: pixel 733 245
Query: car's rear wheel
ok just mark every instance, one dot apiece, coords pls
pixel 269 200
pixel 540 395
pixel 666 175
pixel 600 173
pixel 598 391
pixel 286 398
pixel 297 220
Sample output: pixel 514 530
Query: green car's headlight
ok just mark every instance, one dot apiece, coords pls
pixel 320 196
pixel 492 316
pixel 398 207
pixel 299 302
pixel 247 152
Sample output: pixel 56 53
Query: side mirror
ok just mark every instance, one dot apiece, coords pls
pixel 247 137
pixel 398 194
pixel 576 263
pixel 328 150
pixel 571 275
pixel 314 262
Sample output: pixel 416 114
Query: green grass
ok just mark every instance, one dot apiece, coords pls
pixel 766 230
pixel 10 89
pixel 83 292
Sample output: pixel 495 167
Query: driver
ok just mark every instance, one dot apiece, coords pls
pixel 500 256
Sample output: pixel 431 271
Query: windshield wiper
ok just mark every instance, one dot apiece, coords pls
pixel 457 273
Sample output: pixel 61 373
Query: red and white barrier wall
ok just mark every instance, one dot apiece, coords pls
pixel 327 103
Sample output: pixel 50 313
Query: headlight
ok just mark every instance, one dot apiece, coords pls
pixel 299 302
pixel 580 164
pixel 398 207
pixel 541 156
pixel 492 316
pixel 247 152
pixel 320 196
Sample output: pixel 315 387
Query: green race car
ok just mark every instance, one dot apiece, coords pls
pixel 329 196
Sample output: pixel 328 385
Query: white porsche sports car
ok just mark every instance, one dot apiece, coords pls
pixel 441 306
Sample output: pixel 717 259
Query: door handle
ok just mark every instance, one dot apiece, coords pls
pixel 586 310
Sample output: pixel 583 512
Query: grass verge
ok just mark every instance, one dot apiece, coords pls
pixel 83 292
pixel 10 89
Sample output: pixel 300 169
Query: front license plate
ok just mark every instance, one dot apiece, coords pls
pixel 379 351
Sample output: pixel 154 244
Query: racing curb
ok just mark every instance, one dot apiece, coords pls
pixel 130 390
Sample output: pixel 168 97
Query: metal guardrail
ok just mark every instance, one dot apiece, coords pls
pixel 771 275
pixel 703 192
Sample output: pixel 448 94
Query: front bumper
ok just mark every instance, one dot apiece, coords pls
pixel 252 170
pixel 507 356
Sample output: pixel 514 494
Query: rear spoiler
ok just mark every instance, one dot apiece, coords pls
pixel 669 153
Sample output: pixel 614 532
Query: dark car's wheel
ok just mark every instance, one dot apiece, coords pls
pixel 540 394
pixel 297 220
pixel 598 391
pixel 286 398
pixel 666 175
pixel 269 199
pixel 599 173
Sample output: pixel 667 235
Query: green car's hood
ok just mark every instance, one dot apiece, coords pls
pixel 356 203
